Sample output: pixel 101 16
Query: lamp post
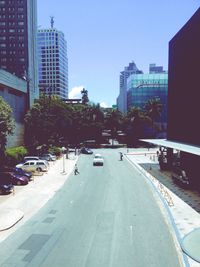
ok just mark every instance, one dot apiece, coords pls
pixel 63 150
pixel 27 79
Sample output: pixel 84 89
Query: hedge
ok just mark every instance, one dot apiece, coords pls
pixel 15 155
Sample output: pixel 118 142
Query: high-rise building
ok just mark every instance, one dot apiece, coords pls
pixel 143 87
pixel 156 69
pixel 122 98
pixel 18 32
pixel 52 62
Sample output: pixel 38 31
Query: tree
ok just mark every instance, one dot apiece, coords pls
pixel 113 121
pixel 153 109
pixel 135 120
pixel 6 127
pixel 47 123
pixel 85 98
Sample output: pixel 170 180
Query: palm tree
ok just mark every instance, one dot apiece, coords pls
pixel 113 120
pixel 153 109
pixel 85 98
pixel 135 120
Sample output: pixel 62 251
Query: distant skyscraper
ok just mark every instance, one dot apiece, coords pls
pixel 18 30
pixel 156 69
pixel 122 98
pixel 52 62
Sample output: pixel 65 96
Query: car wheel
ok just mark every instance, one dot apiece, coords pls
pixel 1 192
pixel 39 169
pixel 18 183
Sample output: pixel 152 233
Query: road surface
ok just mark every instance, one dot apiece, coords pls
pixel 104 217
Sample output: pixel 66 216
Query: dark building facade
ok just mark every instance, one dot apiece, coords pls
pixel 13 37
pixel 184 93
pixel 184 85
pixel 18 26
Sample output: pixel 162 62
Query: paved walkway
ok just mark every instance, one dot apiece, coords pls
pixel 186 219
pixel 18 207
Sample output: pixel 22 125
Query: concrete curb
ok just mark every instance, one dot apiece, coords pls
pixel 10 217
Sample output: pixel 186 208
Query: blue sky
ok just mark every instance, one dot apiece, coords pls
pixel 103 36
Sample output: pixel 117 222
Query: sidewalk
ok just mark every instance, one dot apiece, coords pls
pixel 185 219
pixel 18 207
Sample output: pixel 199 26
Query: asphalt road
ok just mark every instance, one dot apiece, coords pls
pixel 105 216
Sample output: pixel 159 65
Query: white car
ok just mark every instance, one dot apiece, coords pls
pixel 48 157
pixel 98 160
pixel 33 165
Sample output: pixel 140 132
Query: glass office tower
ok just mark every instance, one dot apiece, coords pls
pixel 143 87
pixel 18 32
pixel 52 62
pixel 122 98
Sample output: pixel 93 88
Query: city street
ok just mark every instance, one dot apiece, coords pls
pixel 104 216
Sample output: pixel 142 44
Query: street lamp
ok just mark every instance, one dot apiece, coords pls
pixel 63 150
pixel 27 79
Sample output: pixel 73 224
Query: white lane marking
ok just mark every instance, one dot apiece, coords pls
pixel 131 234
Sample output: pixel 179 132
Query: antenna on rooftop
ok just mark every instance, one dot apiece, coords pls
pixel 52 21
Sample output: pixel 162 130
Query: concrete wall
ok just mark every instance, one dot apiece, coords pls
pixel 13 90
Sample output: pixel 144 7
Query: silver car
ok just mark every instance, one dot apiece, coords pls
pixel 33 165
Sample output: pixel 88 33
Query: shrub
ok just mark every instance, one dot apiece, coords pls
pixel 15 155
pixel 55 150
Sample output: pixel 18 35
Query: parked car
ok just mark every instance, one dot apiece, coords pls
pixel 179 175
pixel 31 158
pixel 23 173
pixel 98 160
pixel 6 186
pixel 85 150
pixel 14 179
pixel 48 157
pixel 33 165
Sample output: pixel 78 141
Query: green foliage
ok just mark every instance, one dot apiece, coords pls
pixel 15 155
pixel 6 127
pixel 85 98
pixel 55 150
pixel 47 122
pixel 138 119
pixel 113 122
pixel 52 122
pixel 153 108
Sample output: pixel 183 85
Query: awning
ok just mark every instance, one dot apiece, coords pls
pixel 175 145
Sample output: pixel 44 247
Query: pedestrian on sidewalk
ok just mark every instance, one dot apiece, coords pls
pixel 76 170
pixel 121 156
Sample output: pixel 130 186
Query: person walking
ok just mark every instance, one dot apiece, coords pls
pixel 76 170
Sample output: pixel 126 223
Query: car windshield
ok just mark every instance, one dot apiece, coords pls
pixel 98 157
